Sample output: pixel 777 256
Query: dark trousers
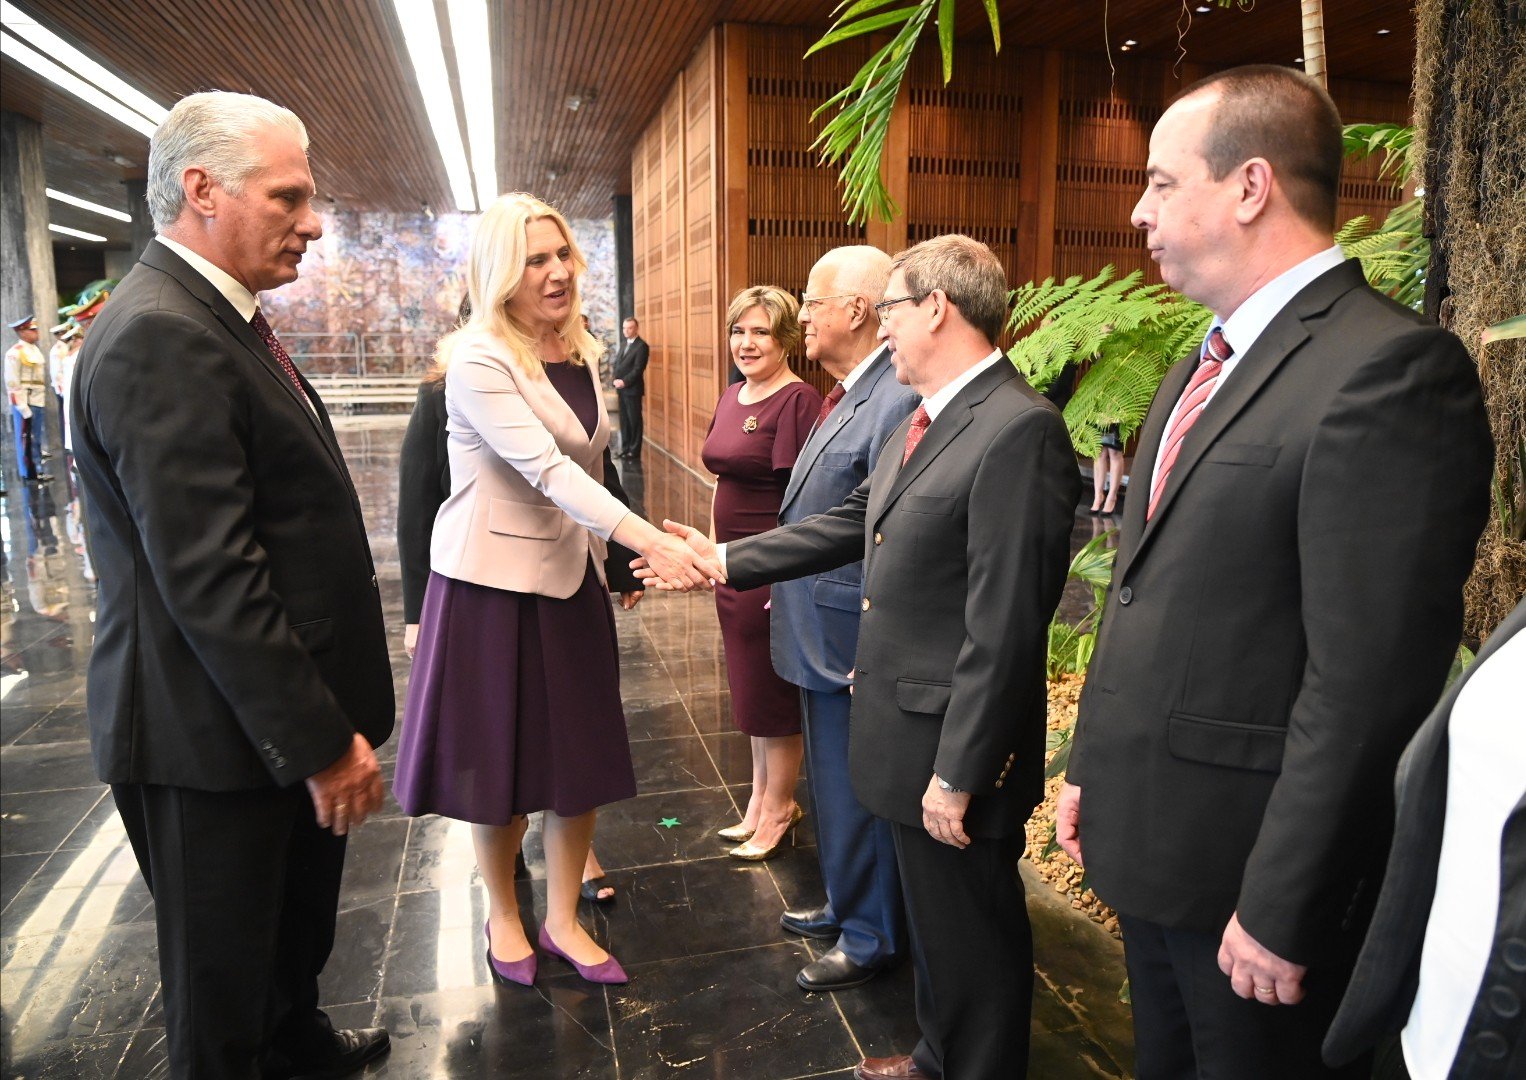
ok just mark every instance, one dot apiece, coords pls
pixel 1189 1024
pixel 856 849
pixel 973 951
pixel 630 422
pixel 246 888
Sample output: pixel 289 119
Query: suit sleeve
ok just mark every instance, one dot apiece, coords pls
pixel 819 543
pixel 485 392
pixel 1382 613
pixel 178 430
pixel 1021 509
pixel 617 562
pixel 419 495
pixel 640 353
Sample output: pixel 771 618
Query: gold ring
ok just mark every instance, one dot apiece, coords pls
pixel 1265 990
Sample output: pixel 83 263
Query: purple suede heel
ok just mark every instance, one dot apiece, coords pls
pixel 608 971
pixel 516 971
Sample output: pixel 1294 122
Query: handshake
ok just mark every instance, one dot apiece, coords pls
pixel 679 559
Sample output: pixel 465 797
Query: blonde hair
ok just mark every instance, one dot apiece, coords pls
pixel 783 312
pixel 495 267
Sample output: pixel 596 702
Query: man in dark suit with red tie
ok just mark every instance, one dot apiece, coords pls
pixel 1304 507
pixel 963 527
pixel 239 678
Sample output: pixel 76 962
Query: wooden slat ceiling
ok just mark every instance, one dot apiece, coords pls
pixel 342 66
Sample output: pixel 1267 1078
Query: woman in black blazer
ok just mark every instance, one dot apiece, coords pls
pixel 423 484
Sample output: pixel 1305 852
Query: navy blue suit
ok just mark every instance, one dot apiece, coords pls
pixel 814 639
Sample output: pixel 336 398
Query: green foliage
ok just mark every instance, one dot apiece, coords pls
pixel 1133 332
pixel 1070 647
pixel 1507 330
pixel 858 129
pixel 1394 254
pixel 1460 663
pixel 1393 140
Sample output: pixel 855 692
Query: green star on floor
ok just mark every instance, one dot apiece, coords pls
pixel 669 822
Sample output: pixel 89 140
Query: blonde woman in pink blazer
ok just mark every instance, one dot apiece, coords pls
pixel 514 701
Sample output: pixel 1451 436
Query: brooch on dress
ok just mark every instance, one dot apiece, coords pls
pixel 749 425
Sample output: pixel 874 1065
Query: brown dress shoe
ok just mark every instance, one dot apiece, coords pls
pixel 901 1067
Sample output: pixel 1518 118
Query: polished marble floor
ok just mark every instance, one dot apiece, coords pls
pixel 712 992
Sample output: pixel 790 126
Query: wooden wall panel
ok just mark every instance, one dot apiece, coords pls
pixel 703 309
pixel 794 213
pixel 965 148
pixel 1105 122
pixel 1040 154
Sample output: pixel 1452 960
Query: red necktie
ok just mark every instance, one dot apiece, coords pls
pixel 919 422
pixel 1215 352
pixel 277 350
pixel 833 397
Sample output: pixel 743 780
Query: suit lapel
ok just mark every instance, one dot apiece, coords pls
pixel 1283 336
pixel 162 258
pixel 823 435
pixel 942 431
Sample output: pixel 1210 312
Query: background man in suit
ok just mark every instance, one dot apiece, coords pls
pixel 815 620
pixel 240 676
pixel 1286 599
pixel 630 381
pixel 964 530
pixel 1444 964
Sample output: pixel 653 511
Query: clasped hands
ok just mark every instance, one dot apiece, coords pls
pixel 682 560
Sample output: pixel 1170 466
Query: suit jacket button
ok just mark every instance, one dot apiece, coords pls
pixel 1491 1046
pixel 879 538
pixel 279 762
pixel 1504 1002
pixel 1515 954
pixel 1125 595
pixel 999 783
pixel 865 604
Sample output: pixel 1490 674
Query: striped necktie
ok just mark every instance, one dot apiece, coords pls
pixel 1215 352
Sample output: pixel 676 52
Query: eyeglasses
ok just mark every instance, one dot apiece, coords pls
pixel 810 303
pixel 884 306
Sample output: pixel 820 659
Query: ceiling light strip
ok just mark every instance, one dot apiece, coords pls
pixel 38 64
pixel 75 232
pixel 421 33
pixel 69 55
pixel 86 204
pixel 474 67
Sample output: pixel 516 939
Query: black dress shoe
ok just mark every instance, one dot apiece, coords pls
pixel 811 923
pixel 352 1048
pixel 833 970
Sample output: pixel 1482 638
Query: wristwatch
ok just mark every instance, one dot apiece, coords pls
pixel 946 786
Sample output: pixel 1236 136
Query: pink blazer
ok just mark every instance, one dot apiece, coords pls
pixel 527 502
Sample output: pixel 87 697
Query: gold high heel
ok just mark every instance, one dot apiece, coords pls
pixel 736 834
pixel 748 852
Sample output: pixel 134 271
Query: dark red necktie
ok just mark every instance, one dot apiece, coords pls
pixel 1215 351
pixel 919 422
pixel 833 397
pixel 277 350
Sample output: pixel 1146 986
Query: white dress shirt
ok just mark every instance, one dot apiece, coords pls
pixel 1486 777
pixel 243 301
pixel 1245 326
pixel 936 403
pixel 233 291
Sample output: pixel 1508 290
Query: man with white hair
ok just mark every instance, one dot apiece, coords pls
pixel 815 619
pixel 240 676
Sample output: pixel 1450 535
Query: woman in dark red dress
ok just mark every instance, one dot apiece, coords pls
pixel 759 427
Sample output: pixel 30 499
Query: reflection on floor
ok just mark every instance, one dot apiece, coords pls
pixel 712 991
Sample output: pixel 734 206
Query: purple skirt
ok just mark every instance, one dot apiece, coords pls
pixel 513 705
